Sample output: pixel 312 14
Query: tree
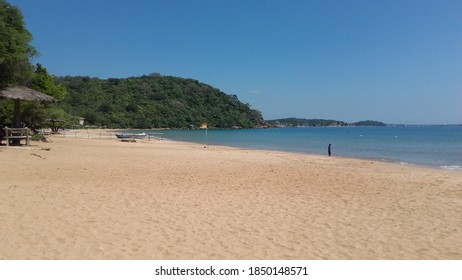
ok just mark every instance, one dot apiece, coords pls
pixel 15 48
pixel 43 82
pixel 16 69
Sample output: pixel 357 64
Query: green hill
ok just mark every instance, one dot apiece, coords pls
pixel 154 101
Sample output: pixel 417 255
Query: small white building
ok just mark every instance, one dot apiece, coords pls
pixel 82 121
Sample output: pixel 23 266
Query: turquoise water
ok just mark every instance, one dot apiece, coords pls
pixel 438 146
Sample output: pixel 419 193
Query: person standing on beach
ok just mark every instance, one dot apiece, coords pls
pixel 328 149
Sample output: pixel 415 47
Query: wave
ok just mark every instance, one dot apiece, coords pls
pixel 452 167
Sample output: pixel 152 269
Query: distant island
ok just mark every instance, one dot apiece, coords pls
pixel 297 122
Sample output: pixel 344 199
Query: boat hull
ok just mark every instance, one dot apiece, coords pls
pixel 131 136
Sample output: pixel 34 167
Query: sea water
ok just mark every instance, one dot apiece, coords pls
pixel 437 146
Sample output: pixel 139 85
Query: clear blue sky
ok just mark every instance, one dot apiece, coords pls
pixel 397 61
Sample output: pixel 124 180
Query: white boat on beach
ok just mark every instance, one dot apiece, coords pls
pixel 131 135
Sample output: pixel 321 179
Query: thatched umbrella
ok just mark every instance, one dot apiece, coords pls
pixel 23 93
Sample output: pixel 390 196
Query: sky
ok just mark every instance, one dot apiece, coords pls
pixel 396 61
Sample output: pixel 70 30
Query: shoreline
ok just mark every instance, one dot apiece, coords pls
pixel 400 163
pixel 302 153
pixel 314 150
pixel 106 199
pixel 109 134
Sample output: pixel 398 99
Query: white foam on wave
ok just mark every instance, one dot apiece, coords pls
pixel 452 167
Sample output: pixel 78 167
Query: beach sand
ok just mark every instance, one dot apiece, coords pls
pixel 107 199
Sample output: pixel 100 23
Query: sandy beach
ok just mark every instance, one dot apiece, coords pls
pixel 107 199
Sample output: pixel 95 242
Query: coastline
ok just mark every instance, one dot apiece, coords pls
pixel 414 145
pixel 105 199
pixel 105 134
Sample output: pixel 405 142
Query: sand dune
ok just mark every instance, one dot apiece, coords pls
pixel 105 199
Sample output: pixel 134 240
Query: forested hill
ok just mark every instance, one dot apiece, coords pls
pixel 154 101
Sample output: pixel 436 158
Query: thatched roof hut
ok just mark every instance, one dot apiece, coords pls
pixel 19 93
pixel 25 93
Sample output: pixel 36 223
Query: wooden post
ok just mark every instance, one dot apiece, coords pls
pixel 17 113
pixel 17 119
pixel 27 137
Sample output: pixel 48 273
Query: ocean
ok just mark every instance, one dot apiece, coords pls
pixel 435 146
